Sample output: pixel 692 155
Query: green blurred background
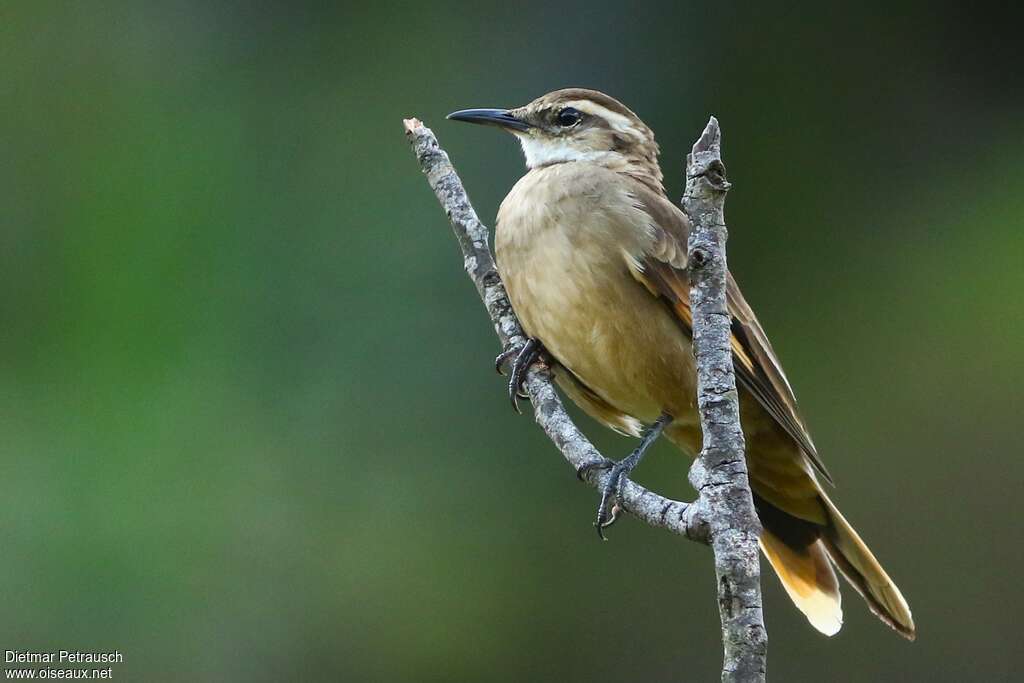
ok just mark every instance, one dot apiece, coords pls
pixel 250 429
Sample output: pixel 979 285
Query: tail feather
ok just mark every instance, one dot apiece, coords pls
pixel 803 553
pixel 807 576
pixel 865 574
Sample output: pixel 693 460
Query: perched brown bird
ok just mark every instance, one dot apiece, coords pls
pixel 593 255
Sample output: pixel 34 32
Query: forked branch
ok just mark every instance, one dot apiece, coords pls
pixel 723 514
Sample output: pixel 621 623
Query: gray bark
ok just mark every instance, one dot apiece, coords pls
pixel 720 473
pixel 723 513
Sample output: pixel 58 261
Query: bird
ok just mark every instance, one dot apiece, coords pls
pixel 593 255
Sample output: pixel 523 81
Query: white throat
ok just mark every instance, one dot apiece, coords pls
pixel 541 152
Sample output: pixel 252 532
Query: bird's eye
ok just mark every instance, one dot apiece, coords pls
pixel 568 117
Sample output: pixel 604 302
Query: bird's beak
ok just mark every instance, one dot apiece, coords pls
pixel 491 117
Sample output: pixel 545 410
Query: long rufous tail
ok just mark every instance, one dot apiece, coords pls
pixel 802 554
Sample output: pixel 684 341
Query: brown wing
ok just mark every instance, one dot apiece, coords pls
pixel 663 271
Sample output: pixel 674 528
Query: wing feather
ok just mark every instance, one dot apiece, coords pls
pixel 662 270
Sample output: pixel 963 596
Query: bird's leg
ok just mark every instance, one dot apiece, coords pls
pixel 612 490
pixel 524 358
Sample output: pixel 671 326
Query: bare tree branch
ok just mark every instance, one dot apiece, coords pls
pixel 720 474
pixel 723 513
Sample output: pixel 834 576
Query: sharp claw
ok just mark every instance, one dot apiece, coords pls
pixel 513 395
pixel 502 358
pixel 616 509
pixel 605 520
pixel 602 514
pixel 609 493
pixel 524 358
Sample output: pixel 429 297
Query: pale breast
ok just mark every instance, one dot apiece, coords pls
pixel 564 237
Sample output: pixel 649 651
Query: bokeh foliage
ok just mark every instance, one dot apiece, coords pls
pixel 249 427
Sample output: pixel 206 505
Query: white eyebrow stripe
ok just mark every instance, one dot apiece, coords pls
pixel 617 121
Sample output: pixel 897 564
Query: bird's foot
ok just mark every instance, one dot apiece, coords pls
pixel 522 359
pixel 609 508
pixel 611 493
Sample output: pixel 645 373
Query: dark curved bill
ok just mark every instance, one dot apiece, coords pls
pixel 490 117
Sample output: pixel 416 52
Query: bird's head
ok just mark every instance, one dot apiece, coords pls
pixel 577 125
